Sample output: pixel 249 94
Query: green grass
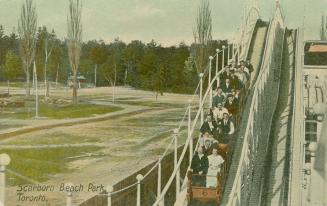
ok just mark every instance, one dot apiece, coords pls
pixel 60 112
pixel 40 164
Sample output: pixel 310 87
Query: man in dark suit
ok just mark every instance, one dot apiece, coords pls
pixel 227 128
pixel 226 74
pixel 199 166
pixel 227 86
pixel 231 105
pixel 209 125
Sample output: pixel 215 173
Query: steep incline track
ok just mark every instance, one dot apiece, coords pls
pixel 275 188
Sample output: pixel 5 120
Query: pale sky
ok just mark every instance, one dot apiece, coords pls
pixel 167 21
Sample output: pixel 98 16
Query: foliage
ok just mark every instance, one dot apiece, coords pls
pixel 12 66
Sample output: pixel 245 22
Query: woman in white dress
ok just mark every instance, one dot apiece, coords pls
pixel 215 162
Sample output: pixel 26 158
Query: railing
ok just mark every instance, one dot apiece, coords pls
pixel 240 193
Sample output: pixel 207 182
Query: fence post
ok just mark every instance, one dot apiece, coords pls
pixel 209 81
pixel 110 189
pixel 69 197
pixel 175 162
pixel 189 130
pixel 161 203
pixel 200 100
pixel 4 161
pixel 139 178
pixel 217 58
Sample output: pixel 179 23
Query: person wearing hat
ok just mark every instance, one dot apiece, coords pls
pixel 218 98
pixel 236 83
pixel 245 69
pixel 249 66
pixel 209 125
pixel 226 74
pixel 231 105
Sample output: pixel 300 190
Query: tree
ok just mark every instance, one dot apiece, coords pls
pixel 323 28
pixel 158 82
pixel 56 61
pixel 202 36
pixel 99 56
pixel 74 40
pixel 12 67
pixel 27 25
pixel 44 48
pixel 109 71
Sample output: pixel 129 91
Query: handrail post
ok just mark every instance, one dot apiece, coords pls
pixel 161 203
pixel 238 53
pixel 139 178
pixel 110 189
pixel 209 81
pixel 223 60
pixel 4 161
pixel 175 163
pixel 189 131
pixel 69 197
pixel 228 56
pixel 217 53
pixel 200 100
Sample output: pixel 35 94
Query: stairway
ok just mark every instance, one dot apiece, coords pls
pixel 276 172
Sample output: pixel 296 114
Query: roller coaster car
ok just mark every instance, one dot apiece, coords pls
pixel 209 194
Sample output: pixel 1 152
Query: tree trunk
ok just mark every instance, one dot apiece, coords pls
pixel 57 76
pixel 126 73
pixel 27 86
pixel 75 85
pixel 95 75
pixel 113 89
pixel 156 96
pixel 46 86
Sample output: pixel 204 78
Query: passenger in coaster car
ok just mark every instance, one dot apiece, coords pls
pixel 199 168
pixel 215 162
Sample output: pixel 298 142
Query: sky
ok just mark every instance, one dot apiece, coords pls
pixel 169 22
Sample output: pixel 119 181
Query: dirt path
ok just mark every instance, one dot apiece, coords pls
pixel 115 115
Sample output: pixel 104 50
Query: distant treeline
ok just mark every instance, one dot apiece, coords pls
pixel 141 65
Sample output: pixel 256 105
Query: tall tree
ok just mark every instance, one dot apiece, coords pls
pixel 109 71
pixel 99 55
pixel 74 40
pixel 56 61
pixel 202 36
pixel 11 67
pixel 27 25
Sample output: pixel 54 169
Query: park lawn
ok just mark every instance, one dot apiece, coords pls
pixel 75 111
pixel 40 164
pixel 60 112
